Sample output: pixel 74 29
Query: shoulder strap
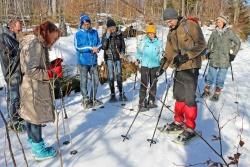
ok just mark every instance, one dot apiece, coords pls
pixel 185 26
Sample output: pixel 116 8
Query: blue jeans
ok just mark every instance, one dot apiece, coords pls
pixel 92 70
pixel 34 132
pixel 13 99
pixel 114 71
pixel 217 75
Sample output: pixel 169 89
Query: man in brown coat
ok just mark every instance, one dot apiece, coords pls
pixel 185 44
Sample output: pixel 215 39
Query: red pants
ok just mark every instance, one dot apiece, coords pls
pixel 185 114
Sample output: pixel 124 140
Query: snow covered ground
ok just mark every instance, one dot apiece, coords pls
pixel 96 135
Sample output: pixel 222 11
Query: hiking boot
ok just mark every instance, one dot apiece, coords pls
pixel 216 95
pixel 122 97
pixel 86 104
pixel 41 152
pixel 186 135
pixel 207 90
pixel 151 104
pixel 174 127
pixel 112 98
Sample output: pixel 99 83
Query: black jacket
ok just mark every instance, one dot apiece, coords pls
pixel 113 46
pixel 9 55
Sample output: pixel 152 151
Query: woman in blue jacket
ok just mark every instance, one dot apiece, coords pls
pixel 87 44
pixel 149 55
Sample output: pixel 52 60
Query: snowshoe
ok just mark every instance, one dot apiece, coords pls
pixel 87 104
pixel 96 103
pixel 216 95
pixel 172 128
pixel 142 108
pixel 185 137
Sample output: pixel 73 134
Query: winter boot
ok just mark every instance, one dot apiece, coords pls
pixel 186 136
pixel 112 98
pixel 206 91
pixel 143 107
pixel 152 104
pixel 216 95
pixel 122 97
pixel 173 128
pixel 86 103
pixel 41 152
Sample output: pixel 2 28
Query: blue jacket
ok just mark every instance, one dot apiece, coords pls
pixel 85 40
pixel 149 52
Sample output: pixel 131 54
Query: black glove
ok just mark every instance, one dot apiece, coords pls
pixel 231 57
pixel 159 72
pixel 180 59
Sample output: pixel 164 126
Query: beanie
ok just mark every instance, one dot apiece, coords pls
pixel 170 13
pixel 84 18
pixel 223 18
pixel 151 28
pixel 110 23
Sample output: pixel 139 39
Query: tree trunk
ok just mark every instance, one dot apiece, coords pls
pixel 49 7
pixel 236 11
pixel 54 7
pixel 183 7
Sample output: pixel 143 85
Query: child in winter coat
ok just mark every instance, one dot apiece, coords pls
pixel 114 48
pixel 148 55
pixel 223 45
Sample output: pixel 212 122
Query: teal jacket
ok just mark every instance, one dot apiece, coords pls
pixel 149 52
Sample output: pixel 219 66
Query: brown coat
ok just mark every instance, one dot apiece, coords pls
pixel 35 91
pixel 188 39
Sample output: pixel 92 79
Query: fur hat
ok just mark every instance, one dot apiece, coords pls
pixel 170 13
pixel 110 23
pixel 151 28
pixel 223 18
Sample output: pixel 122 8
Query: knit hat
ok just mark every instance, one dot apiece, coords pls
pixel 110 23
pixel 151 28
pixel 223 18
pixel 169 14
pixel 84 18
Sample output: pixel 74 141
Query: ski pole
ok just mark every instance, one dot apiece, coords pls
pixel 235 89
pixel 204 73
pixel 152 141
pixel 131 109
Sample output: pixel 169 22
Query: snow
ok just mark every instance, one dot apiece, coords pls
pixel 96 135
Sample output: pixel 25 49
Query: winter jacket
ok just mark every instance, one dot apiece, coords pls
pixel 219 45
pixel 113 44
pixel 9 56
pixel 149 52
pixel 35 91
pixel 85 40
pixel 188 39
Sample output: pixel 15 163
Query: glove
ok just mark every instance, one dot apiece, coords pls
pixel 231 57
pixel 180 59
pixel 159 72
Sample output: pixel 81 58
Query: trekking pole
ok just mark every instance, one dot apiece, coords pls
pixel 235 89
pixel 131 109
pixel 204 73
pixel 93 89
pixel 125 137
pixel 152 141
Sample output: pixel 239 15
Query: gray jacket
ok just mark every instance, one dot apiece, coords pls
pixel 219 44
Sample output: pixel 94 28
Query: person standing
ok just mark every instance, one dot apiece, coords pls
pixel 185 45
pixel 87 44
pixel 223 45
pixel 10 63
pixel 114 49
pixel 36 88
pixel 149 56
